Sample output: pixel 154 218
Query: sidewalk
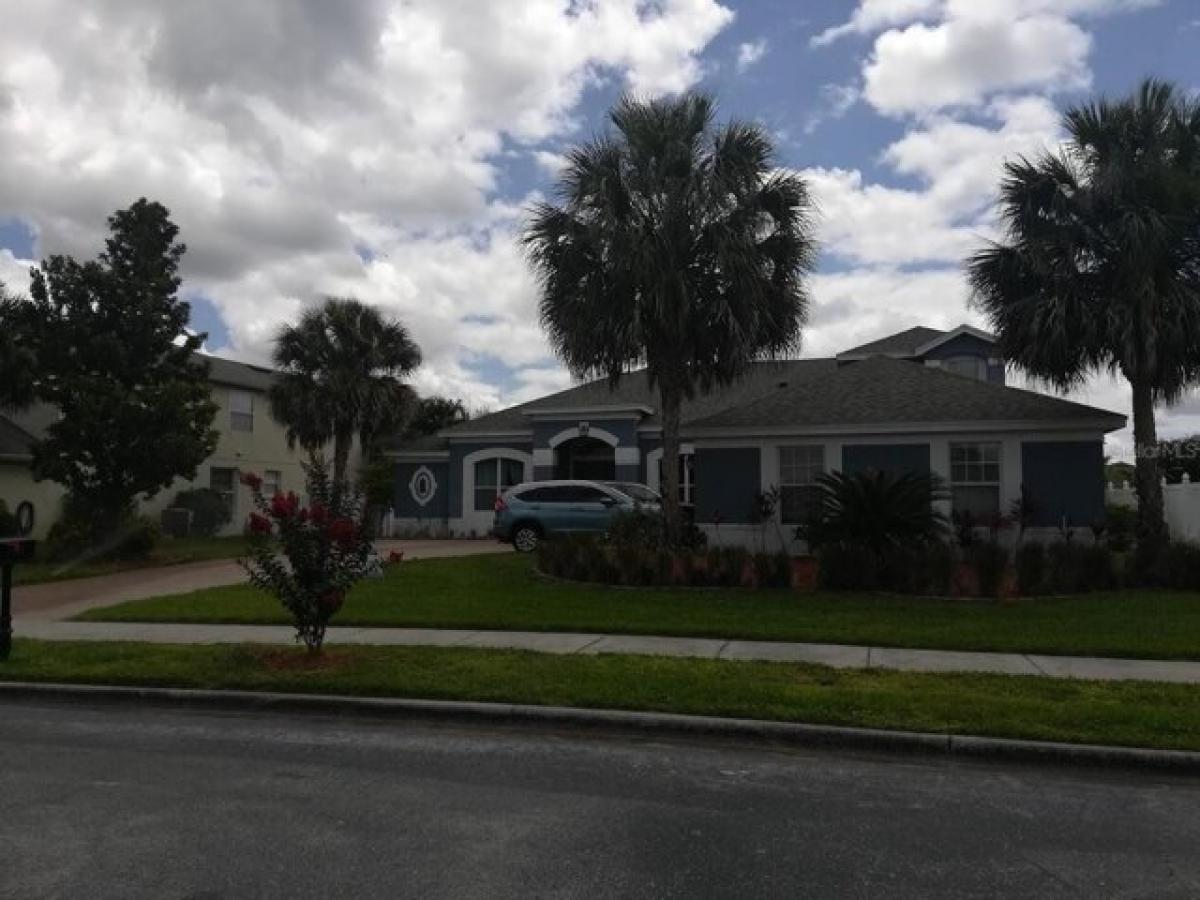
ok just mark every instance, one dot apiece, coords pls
pixel 838 656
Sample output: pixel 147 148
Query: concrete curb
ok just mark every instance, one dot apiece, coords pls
pixel 640 723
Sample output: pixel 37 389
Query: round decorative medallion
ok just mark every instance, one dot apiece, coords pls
pixel 422 486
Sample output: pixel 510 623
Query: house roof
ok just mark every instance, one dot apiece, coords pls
pixel 882 389
pixel 903 343
pixel 237 374
pixel 14 440
pixel 634 389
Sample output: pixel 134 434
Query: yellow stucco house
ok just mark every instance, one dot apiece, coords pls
pixel 250 441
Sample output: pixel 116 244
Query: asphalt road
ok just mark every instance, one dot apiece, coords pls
pixel 150 802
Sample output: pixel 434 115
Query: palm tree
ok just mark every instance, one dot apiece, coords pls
pixel 17 364
pixel 1099 266
pixel 339 376
pixel 678 245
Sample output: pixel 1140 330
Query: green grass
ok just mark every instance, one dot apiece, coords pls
pixel 504 592
pixel 169 552
pixel 1124 713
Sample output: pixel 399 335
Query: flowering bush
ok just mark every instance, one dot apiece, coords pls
pixel 308 556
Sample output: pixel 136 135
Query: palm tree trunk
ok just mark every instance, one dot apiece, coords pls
pixel 670 400
pixel 341 460
pixel 1151 527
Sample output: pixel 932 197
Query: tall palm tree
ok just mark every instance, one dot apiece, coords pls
pixel 676 244
pixel 340 370
pixel 17 364
pixel 1099 266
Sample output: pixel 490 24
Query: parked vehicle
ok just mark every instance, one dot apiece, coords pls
pixel 527 512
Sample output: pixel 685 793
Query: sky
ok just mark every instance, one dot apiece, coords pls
pixel 388 149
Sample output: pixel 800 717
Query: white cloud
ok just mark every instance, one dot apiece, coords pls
pixel 871 15
pixel 964 60
pixel 550 163
pixel 750 52
pixel 933 54
pixel 286 137
pixel 836 101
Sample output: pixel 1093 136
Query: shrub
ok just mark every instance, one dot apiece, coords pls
pixel 209 511
pixel 933 568
pixel 326 546
pixel 639 529
pixel 990 561
pixel 1177 566
pixel 1120 524
pixel 1072 568
pixel 75 536
pixel 847 567
pixel 773 570
pixel 875 510
pixel 1031 569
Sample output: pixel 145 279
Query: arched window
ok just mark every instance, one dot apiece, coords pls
pixel 492 476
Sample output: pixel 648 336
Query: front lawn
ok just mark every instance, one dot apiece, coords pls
pixel 1013 706
pixel 504 592
pixel 169 552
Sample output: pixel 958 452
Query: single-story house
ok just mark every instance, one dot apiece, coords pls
pixel 923 400
pixel 250 440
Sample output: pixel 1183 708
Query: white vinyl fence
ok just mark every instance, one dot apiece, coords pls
pixel 1181 503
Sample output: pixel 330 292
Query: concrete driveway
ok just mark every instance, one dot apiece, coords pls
pixel 63 599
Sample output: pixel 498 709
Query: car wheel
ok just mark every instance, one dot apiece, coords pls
pixel 525 539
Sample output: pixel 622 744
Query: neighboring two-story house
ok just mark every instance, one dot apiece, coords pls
pixel 922 400
pixel 250 441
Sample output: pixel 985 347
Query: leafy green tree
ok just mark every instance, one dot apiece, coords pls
pixel 114 356
pixel 17 362
pixel 340 370
pixel 1099 266
pixel 676 244
pixel 434 414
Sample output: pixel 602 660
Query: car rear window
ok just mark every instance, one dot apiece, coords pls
pixel 638 492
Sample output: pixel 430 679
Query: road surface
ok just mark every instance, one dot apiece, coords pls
pixel 128 802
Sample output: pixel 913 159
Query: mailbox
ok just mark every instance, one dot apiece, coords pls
pixel 12 551
pixel 15 550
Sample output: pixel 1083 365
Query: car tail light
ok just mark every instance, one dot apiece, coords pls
pixel 499 505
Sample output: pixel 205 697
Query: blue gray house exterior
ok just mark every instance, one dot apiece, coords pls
pixel 922 400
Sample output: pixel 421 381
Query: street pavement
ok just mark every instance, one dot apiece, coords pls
pixel 147 801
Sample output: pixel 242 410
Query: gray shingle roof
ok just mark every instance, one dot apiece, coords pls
pixel 903 343
pixel 882 389
pixel 634 390
pixel 14 440
pixel 237 374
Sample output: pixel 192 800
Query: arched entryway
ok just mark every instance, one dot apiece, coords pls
pixel 585 457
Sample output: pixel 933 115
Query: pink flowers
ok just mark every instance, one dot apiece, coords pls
pixel 343 532
pixel 259 524
pixel 330 602
pixel 284 506
pixel 252 481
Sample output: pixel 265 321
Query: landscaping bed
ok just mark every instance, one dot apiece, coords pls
pixel 504 591
pixel 1030 707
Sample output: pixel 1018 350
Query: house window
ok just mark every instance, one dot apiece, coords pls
pixel 687 477
pixel 798 491
pixel 224 482
pixel 970 366
pixel 492 477
pixel 272 482
pixel 975 479
pixel 241 411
